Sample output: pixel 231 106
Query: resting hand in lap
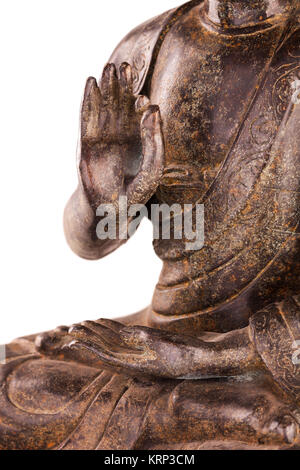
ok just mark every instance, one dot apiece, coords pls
pixel 121 154
pixel 143 350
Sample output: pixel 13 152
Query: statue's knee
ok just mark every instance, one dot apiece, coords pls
pixel 46 386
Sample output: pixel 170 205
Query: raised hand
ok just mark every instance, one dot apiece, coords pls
pixel 121 146
pixel 121 153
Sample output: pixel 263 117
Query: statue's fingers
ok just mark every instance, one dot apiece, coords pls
pixel 110 89
pixel 106 333
pixel 103 354
pixel 90 111
pixel 104 338
pixel 112 324
pixel 146 182
pixel 83 333
pixel 118 333
pixel 107 356
pixel 142 103
pixel 126 88
pixel 152 140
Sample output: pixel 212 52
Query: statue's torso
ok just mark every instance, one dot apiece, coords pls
pixel 203 83
pixel 222 98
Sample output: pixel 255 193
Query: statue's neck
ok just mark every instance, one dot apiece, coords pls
pixel 242 13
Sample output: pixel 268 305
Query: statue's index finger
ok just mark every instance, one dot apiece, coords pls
pixel 90 110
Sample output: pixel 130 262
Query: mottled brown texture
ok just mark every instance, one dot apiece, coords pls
pixel 198 105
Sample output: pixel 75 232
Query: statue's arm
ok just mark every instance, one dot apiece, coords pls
pixel 155 352
pixel 80 229
pixel 136 137
pixel 270 343
pixel 121 154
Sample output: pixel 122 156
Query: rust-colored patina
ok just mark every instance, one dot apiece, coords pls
pixel 199 105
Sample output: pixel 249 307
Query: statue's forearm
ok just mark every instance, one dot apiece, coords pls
pixel 231 354
pixel 80 224
pixel 170 355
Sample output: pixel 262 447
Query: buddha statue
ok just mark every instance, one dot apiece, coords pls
pixel 198 106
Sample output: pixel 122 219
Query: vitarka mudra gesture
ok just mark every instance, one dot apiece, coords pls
pixel 198 106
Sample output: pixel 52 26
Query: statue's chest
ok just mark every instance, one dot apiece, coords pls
pixel 204 84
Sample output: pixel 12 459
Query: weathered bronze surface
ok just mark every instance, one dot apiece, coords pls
pixel 199 105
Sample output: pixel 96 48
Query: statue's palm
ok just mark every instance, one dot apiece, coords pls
pixel 121 146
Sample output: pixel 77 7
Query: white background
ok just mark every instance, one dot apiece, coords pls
pixel 48 49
